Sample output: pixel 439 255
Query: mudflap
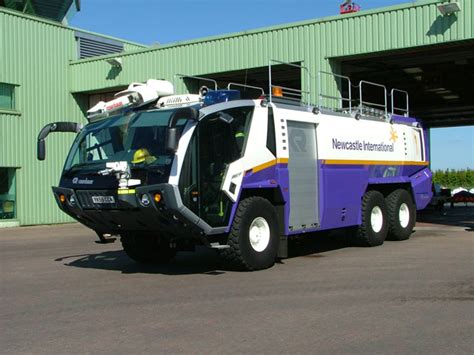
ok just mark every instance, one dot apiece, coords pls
pixel 283 239
pixel 421 185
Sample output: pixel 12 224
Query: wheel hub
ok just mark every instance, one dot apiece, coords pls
pixel 404 215
pixel 259 234
pixel 376 219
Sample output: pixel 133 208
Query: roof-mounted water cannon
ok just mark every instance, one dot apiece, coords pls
pixel 136 95
pixel 349 7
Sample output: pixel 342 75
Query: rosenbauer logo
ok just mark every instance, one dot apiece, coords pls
pixel 85 181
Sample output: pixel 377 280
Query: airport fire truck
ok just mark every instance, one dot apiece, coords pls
pixel 167 172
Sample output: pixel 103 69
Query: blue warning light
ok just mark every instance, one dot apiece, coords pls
pixel 217 96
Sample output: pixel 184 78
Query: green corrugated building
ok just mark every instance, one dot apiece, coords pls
pixel 36 52
pixel 51 72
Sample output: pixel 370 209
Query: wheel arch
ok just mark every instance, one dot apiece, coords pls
pixel 386 189
pixel 276 198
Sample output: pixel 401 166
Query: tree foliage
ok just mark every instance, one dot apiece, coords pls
pixel 454 178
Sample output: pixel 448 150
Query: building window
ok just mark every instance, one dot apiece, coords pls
pixel 7 96
pixel 7 194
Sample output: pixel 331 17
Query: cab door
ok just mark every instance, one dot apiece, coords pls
pixel 219 140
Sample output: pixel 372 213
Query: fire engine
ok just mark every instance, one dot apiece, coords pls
pixel 241 175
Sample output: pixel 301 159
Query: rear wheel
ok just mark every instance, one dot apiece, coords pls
pixel 146 248
pixel 253 239
pixel 401 215
pixel 374 227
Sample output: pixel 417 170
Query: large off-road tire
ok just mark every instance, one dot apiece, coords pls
pixel 254 237
pixel 374 227
pixel 401 215
pixel 146 248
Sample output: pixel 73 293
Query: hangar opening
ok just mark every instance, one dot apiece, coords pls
pixel 438 79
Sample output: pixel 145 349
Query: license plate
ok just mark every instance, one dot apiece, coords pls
pixel 103 199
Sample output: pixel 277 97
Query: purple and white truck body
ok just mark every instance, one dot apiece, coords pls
pixel 167 172
pixel 324 163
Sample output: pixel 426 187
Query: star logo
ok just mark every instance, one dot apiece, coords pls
pixel 393 135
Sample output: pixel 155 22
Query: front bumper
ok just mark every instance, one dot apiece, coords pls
pixel 128 214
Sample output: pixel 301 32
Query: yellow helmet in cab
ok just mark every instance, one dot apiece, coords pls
pixel 142 155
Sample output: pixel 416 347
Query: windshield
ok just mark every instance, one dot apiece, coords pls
pixel 135 137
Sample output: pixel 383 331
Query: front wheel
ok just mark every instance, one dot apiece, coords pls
pixel 374 227
pixel 146 248
pixel 253 239
pixel 401 215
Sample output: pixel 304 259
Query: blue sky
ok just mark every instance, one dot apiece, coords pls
pixel 165 21
pixel 452 148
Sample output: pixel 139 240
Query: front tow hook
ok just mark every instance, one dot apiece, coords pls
pixel 105 238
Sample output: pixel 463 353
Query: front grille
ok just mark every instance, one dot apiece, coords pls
pixel 86 201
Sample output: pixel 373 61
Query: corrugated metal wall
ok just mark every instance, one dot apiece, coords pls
pixel 314 42
pixel 35 56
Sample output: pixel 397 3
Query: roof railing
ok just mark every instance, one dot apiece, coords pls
pixel 405 111
pixel 341 99
pixel 245 86
pixel 292 94
pixel 345 104
pixel 370 107
pixel 362 105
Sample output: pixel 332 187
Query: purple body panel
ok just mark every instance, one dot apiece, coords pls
pixel 341 188
pixel 273 177
pixel 232 213
pixel 421 186
pixel 426 136
pixel 403 119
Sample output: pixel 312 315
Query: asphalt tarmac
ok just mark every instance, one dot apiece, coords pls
pixel 62 293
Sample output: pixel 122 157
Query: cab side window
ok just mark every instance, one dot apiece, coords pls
pixel 240 126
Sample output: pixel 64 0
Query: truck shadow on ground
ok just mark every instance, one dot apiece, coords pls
pixel 203 261
pixel 457 216
pixel 314 245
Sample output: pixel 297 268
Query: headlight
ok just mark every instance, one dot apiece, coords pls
pixel 145 200
pixel 72 201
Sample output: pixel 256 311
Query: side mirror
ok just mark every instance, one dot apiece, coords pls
pixel 172 139
pixel 41 154
pixel 54 127
pixel 172 133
